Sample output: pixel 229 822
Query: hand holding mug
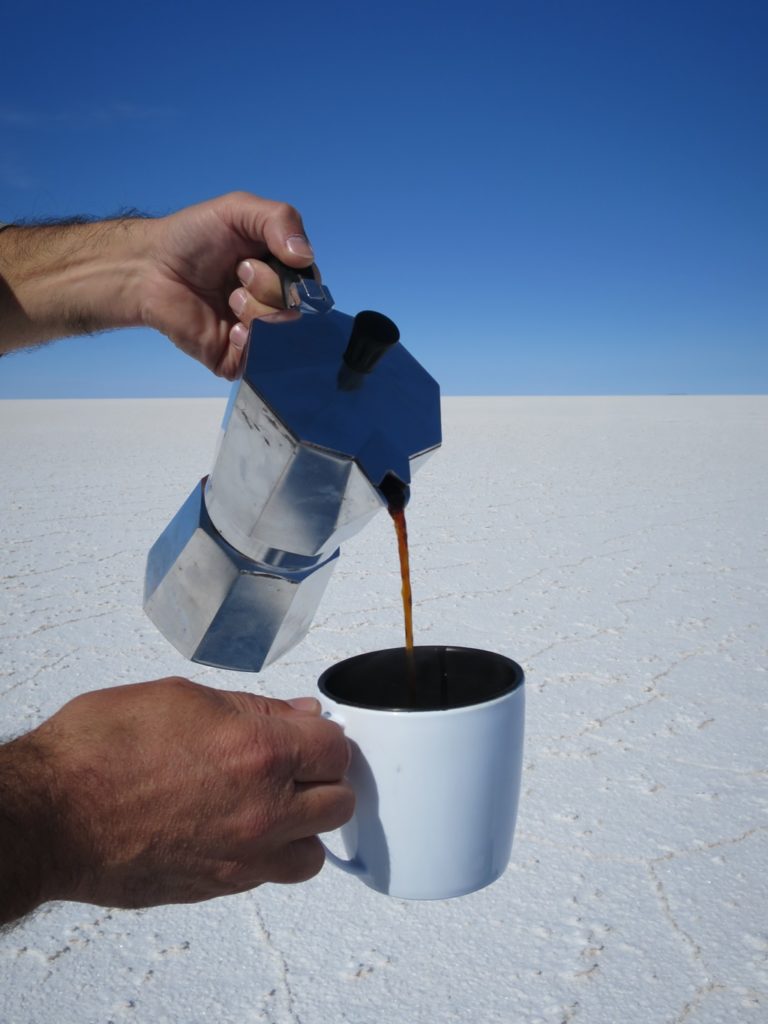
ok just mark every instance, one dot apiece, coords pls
pixel 167 792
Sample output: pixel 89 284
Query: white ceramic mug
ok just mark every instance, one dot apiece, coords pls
pixel 437 745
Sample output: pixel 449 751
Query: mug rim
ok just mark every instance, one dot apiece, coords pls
pixel 518 679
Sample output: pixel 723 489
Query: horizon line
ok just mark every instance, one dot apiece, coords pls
pixel 525 394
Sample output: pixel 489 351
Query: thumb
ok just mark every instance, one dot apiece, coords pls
pixel 279 225
pixel 304 705
pixel 309 705
pixel 286 238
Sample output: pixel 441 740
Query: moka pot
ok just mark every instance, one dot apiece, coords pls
pixel 326 426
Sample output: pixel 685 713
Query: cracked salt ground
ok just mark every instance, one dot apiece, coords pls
pixel 615 547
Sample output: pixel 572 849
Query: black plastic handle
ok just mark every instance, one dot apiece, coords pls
pixel 290 277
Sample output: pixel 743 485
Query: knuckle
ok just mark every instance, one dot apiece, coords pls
pixel 324 750
pixel 285 211
pixel 179 684
pixel 271 760
pixel 305 860
pixel 264 819
pixel 248 703
pixel 237 198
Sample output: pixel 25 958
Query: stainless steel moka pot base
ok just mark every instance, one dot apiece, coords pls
pixel 330 415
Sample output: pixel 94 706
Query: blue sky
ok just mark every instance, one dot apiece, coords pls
pixel 547 197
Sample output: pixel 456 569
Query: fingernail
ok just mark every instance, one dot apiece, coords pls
pixel 299 246
pixel 305 704
pixel 237 301
pixel 238 336
pixel 245 272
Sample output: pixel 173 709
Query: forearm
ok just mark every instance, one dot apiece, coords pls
pixel 66 279
pixel 30 861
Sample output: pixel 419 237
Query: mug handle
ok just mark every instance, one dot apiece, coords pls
pixel 351 867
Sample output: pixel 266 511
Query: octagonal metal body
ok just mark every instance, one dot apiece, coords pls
pixel 220 608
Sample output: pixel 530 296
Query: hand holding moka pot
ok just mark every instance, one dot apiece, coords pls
pixel 331 414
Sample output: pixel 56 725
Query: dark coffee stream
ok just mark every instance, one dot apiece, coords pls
pixel 401 528
pixel 396 509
